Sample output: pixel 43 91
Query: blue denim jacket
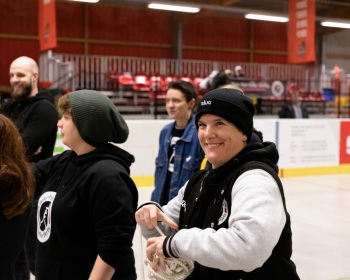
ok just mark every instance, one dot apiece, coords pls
pixel 188 156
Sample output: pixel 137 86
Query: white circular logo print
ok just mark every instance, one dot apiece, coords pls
pixel 43 216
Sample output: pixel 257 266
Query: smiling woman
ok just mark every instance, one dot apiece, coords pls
pixel 224 125
pixel 220 139
pixel 226 210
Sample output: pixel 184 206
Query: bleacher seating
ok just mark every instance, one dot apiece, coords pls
pixel 145 91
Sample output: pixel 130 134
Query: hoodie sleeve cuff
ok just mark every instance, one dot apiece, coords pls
pixel 167 251
pixel 148 203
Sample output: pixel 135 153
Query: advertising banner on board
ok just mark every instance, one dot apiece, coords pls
pixel 344 142
pixel 308 143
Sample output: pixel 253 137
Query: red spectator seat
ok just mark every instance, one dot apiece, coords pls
pixel 125 81
pixel 44 84
pixel 167 81
pixel 196 81
pixel 141 83
pixel 112 75
pixel 157 83
pixel 186 78
pixel 316 95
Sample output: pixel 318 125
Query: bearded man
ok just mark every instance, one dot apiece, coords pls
pixel 36 117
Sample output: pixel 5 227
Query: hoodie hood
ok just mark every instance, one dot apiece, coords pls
pixel 265 152
pixel 45 94
pixel 42 95
pixel 106 152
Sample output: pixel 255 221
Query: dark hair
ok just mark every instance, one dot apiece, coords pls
pixel 63 105
pixel 17 183
pixel 222 78
pixel 187 89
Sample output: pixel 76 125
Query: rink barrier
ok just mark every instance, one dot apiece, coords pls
pixel 306 147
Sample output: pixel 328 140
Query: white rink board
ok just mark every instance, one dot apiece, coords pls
pixel 308 143
pixel 301 143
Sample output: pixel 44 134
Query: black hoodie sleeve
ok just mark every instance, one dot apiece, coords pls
pixel 113 195
pixel 40 124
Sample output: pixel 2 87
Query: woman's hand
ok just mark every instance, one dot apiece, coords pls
pixel 150 214
pixel 154 252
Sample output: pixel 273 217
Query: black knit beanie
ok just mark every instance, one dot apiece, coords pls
pixel 97 118
pixel 231 105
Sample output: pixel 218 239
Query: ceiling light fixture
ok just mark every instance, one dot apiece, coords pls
pixel 174 8
pixel 86 1
pixel 335 24
pixel 266 18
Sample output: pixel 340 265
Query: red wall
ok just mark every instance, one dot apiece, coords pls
pixel 69 20
pixel 222 32
pixel 126 31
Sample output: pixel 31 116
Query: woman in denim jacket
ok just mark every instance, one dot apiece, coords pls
pixel 179 154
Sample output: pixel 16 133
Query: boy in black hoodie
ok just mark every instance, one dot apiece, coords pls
pixel 87 199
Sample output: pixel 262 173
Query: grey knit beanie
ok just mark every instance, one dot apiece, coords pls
pixel 231 105
pixel 97 118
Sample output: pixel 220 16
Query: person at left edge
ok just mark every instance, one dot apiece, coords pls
pixel 35 115
pixel 17 187
pixel 31 110
pixel 85 217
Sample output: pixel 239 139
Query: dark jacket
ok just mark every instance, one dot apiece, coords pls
pixel 12 237
pixel 86 208
pixel 287 111
pixel 36 118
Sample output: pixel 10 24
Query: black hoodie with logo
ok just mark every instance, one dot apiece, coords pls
pixel 86 208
